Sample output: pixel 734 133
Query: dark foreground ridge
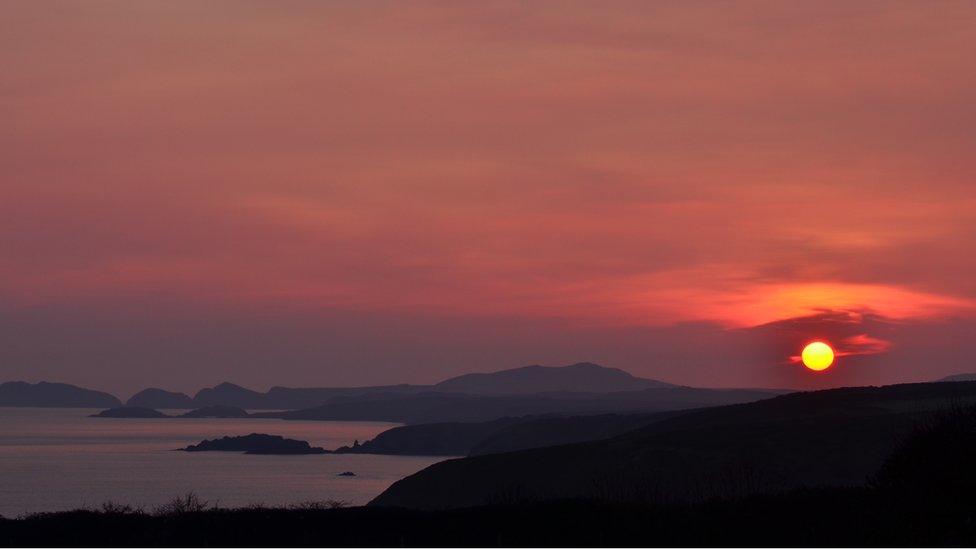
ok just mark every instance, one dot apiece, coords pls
pixel 256 443
pixel 827 517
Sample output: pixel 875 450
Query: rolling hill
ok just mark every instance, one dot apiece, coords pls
pixel 583 377
pixel 959 377
pixel 159 398
pixel 432 407
pixel 577 388
pixel 54 395
pixel 832 437
pixel 501 435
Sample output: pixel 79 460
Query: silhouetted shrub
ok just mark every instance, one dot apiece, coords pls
pixel 319 505
pixel 113 508
pixel 187 503
pixel 939 456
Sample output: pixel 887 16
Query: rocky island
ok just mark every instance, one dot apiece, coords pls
pixel 131 412
pixel 146 412
pixel 216 412
pixel 256 443
pixel 160 398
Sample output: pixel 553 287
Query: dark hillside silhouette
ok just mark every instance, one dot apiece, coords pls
pixel 960 377
pixel 256 443
pixel 432 407
pixel 833 437
pixel 215 411
pixel 288 398
pixel 281 398
pixel 158 398
pixel 500 435
pixel 554 431
pixel 935 460
pixel 576 378
pixel 921 496
pixel 228 394
pixel 130 412
pixel 54 395
pixel 584 377
pixel 577 381
pixel 430 439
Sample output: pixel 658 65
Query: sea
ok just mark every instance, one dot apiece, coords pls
pixel 55 459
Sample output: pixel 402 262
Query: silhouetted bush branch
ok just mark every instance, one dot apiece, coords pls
pixel 186 503
pixel 318 505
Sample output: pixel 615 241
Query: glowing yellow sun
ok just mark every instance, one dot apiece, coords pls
pixel 818 356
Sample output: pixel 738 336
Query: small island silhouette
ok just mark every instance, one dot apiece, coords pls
pixel 256 443
pixel 131 412
pixel 216 411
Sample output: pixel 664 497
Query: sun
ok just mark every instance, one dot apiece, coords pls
pixel 818 356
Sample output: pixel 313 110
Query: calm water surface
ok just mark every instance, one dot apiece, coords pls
pixel 59 458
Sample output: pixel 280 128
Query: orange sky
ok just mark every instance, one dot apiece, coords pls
pixel 383 192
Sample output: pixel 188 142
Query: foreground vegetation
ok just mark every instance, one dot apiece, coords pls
pixel 859 517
